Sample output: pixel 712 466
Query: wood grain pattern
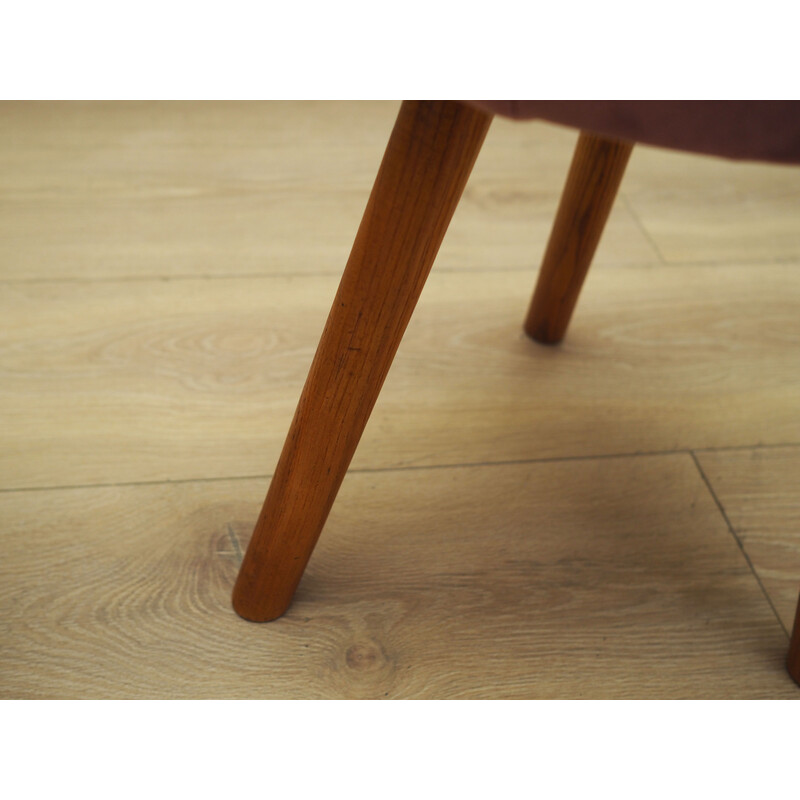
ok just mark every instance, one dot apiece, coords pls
pixel 165 380
pixel 132 190
pixel 428 160
pixel 707 210
pixel 606 578
pixel 594 177
pixel 115 365
pixel 760 492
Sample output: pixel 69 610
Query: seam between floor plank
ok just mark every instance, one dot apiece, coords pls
pixel 334 273
pixel 738 541
pixel 408 468
pixel 640 225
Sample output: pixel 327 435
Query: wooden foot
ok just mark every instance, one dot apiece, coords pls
pixel 793 659
pixel 426 165
pixel 594 178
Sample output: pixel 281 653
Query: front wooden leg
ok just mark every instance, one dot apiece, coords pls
pixel 426 165
pixel 594 178
pixel 793 659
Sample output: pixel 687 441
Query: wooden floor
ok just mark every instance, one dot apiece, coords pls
pixel 617 517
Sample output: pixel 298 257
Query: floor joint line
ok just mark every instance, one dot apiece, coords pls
pixel 738 540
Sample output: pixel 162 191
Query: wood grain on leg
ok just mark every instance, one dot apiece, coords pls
pixel 592 183
pixel 426 165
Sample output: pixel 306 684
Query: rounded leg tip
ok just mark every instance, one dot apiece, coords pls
pixel 251 611
pixel 540 334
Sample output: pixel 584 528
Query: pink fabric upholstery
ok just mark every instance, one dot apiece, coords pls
pixel 757 130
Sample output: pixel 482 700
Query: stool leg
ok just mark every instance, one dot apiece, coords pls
pixel 793 659
pixel 592 183
pixel 426 165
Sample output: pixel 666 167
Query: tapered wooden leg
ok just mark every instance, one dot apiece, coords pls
pixel 793 659
pixel 594 178
pixel 424 170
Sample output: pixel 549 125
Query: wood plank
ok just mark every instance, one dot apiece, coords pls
pixel 700 209
pixel 606 578
pixel 155 380
pixel 760 492
pixel 131 189
pixel 103 190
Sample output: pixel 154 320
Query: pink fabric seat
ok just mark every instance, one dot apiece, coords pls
pixel 754 130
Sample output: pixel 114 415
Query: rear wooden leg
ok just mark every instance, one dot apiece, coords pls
pixel 592 183
pixel 426 165
pixel 793 659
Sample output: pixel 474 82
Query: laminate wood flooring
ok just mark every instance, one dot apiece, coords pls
pixel 616 517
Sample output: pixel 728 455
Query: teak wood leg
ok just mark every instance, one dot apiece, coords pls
pixel 592 183
pixel 426 165
pixel 793 659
